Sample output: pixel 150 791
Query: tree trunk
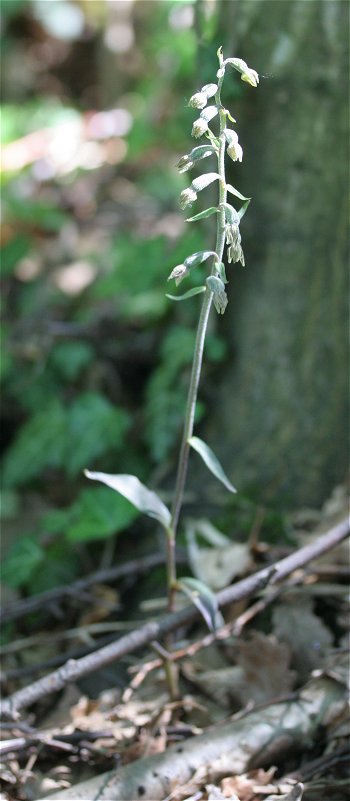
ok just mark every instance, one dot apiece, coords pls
pixel 280 416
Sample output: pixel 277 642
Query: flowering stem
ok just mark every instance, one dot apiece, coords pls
pixel 199 344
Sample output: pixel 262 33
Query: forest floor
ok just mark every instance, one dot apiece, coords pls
pixel 261 712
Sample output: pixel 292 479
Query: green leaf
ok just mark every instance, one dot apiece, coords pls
pixel 93 423
pixel 98 513
pixel 203 214
pixel 202 597
pixel 24 556
pixel 140 496
pixel 64 439
pixel 39 444
pixel 235 192
pixel 243 208
pixel 197 290
pixel 211 461
pixel 70 358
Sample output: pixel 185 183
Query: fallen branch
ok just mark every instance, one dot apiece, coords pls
pixel 258 738
pixel 75 669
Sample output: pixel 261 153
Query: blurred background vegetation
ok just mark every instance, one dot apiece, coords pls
pixel 95 359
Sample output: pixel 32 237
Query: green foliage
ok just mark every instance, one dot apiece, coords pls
pixel 65 439
pixel 49 217
pixel 96 514
pixel 24 557
pixel 167 388
pixel 70 358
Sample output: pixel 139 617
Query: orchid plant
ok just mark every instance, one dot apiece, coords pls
pixel 221 142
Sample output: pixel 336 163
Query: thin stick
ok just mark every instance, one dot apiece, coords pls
pixel 75 669
pixel 26 606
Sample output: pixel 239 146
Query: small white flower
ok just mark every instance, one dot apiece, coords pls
pixel 247 74
pixel 187 197
pixel 235 151
pixel 178 273
pixel 233 239
pixel 199 128
pixel 250 76
pixel 199 100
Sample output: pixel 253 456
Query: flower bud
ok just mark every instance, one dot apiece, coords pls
pixel 184 164
pixel 178 273
pixel 247 74
pixel 216 286
pixel 199 100
pixel 234 149
pixel 199 128
pixel 251 77
pixel 235 253
pixel 187 197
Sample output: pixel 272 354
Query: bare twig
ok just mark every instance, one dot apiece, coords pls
pixel 234 627
pixel 26 606
pixel 155 630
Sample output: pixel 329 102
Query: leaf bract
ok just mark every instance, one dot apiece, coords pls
pixel 203 214
pixel 197 290
pixel 203 598
pixel 138 494
pixel 211 461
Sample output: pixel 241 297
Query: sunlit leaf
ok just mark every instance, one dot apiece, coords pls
pixel 134 491
pixel 202 597
pixel 211 461
pixel 203 214
pixel 191 292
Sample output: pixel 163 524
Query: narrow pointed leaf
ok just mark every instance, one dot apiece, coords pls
pixel 211 461
pixel 235 192
pixel 197 290
pixel 243 208
pixel 203 598
pixel 203 214
pixel 140 496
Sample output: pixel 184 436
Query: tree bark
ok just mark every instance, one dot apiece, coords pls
pixel 283 395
